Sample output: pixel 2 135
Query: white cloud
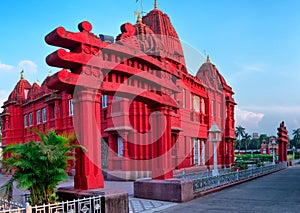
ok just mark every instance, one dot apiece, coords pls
pixel 248 119
pixel 275 109
pixel 246 70
pixel 296 122
pixel 28 66
pixel 256 68
pixel 3 97
pixel 253 66
pixel 5 67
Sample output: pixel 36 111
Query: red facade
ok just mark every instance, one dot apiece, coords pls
pixel 138 94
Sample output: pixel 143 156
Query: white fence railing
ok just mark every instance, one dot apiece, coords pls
pixel 91 204
pixel 206 183
pixel 9 206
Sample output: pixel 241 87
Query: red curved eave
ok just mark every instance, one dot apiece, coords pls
pixel 65 80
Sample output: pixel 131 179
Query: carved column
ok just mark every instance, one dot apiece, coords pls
pixel 282 142
pixel 124 135
pixel 87 125
pixel 162 159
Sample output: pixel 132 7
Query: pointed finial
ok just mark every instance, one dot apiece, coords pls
pixel 50 72
pixel 22 74
pixel 155 4
pixel 139 19
pixel 208 59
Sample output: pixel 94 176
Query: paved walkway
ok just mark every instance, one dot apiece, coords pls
pixel 278 192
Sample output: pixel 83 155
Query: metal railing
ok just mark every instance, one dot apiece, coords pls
pixel 91 204
pixel 206 183
pixel 10 206
pixel 199 175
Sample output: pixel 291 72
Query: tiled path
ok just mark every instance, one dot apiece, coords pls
pixel 146 206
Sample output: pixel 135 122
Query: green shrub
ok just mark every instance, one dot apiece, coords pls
pixel 38 166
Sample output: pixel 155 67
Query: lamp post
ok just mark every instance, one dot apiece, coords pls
pixel 273 143
pixel 294 148
pixel 214 135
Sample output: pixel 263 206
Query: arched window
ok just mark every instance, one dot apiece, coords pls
pixel 196 103
pixel 203 108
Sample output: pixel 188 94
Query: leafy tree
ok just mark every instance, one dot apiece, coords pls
pixel 39 166
pixel 247 140
pixel 239 133
pixel 255 144
pixel 263 137
pixel 296 138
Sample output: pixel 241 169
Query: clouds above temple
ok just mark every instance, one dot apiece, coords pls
pixel 266 119
pixel 3 96
pixel 5 67
pixel 28 66
pixel 249 120
pixel 10 74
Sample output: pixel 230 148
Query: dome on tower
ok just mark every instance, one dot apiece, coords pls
pixel 20 92
pixel 34 91
pixel 161 25
pixel 211 77
pixel 155 35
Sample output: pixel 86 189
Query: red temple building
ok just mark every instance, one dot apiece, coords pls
pixel 147 56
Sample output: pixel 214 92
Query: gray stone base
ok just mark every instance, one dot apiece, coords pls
pixel 173 190
pixel 114 201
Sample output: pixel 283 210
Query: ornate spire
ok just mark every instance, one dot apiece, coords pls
pixel 208 59
pixel 22 74
pixel 155 4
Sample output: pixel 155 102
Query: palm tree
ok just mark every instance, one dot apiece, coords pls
pixel 296 134
pixel 239 133
pixel 246 139
pixel 39 166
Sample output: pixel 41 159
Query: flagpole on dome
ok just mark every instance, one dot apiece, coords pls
pixel 155 4
pixel 22 74
pixel 142 7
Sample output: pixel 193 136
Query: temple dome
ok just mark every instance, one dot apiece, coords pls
pixel 34 91
pixel 155 35
pixel 161 25
pixel 140 36
pixel 211 77
pixel 44 88
pixel 20 92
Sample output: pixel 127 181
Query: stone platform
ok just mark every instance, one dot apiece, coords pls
pixel 173 190
pixel 114 201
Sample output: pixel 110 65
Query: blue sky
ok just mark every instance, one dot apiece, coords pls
pixel 254 43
